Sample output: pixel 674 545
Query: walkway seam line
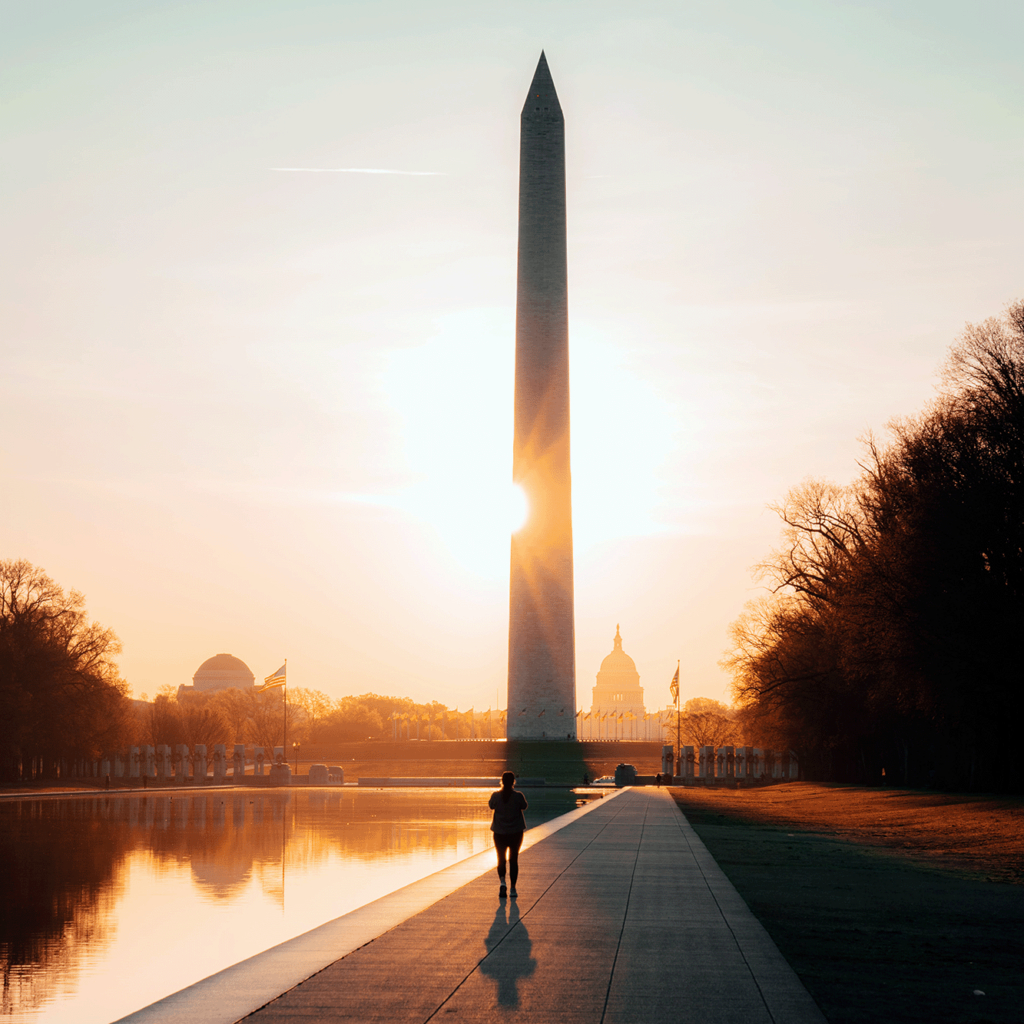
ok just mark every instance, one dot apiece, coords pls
pixel 625 912
pixel 216 1000
pixel 725 916
pixel 476 966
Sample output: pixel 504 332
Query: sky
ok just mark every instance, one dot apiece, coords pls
pixel 257 400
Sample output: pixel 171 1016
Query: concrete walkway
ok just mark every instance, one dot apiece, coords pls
pixel 622 916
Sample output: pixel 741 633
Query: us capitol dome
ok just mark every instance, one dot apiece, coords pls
pixel 618 686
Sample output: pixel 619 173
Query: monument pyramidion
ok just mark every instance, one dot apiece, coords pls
pixel 541 636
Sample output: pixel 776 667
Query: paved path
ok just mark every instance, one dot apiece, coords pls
pixel 623 916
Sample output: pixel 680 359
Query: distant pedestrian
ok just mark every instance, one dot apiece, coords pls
pixel 508 825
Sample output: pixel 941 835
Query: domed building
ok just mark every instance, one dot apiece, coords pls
pixel 618 692
pixel 221 672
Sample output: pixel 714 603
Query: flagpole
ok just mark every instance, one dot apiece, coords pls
pixel 679 755
pixel 286 712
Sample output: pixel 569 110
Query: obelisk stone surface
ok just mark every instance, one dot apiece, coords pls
pixel 541 642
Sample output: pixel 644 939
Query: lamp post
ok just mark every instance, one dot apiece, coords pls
pixel 295 748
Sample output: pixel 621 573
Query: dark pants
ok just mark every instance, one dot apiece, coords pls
pixel 508 844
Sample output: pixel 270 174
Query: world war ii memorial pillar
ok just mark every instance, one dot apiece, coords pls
pixel 541 636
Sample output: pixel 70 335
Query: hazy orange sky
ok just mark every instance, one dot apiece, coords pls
pixel 268 411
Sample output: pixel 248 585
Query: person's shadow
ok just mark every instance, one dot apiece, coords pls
pixel 508 954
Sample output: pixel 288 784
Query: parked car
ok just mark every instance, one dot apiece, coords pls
pixel 605 780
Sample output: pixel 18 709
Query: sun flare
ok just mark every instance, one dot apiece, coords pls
pixel 518 508
pixel 457 432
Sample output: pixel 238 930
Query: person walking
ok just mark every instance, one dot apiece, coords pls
pixel 508 825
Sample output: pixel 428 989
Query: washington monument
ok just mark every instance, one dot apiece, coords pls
pixel 541 632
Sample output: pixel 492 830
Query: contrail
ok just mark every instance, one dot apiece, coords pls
pixel 359 170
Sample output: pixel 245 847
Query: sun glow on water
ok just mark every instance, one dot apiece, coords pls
pixel 208 879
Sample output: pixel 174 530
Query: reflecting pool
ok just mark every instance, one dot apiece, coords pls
pixel 110 903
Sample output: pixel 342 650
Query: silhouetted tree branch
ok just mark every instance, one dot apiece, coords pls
pixel 60 693
pixel 889 636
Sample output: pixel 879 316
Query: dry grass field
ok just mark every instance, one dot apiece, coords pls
pixel 977 834
pixel 891 905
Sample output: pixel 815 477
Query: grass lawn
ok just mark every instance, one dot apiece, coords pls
pixel 891 905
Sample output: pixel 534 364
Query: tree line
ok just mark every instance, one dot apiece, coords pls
pixel 249 716
pixel 887 645
pixel 704 722
pixel 61 696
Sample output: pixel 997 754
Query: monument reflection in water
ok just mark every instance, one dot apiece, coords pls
pixel 110 903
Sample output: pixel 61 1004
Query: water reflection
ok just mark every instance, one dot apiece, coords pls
pixel 164 889
pixel 508 957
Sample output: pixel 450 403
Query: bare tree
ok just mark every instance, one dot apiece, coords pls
pixel 315 708
pixel 265 724
pixel 352 720
pixel 202 720
pixel 161 719
pixel 890 629
pixel 707 722
pixel 61 695
pixel 234 705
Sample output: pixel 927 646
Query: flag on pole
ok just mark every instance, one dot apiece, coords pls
pixel 277 679
pixel 674 685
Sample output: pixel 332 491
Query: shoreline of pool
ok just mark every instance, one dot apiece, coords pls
pixel 236 991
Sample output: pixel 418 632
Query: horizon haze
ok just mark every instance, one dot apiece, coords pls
pixel 259 309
